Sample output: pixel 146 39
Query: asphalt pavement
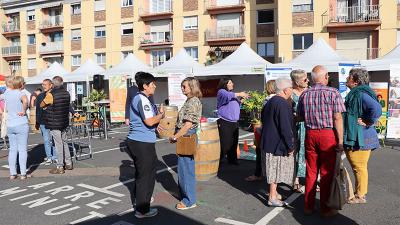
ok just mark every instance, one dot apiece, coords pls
pixel 99 191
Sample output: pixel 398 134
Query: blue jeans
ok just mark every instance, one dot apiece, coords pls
pixel 18 138
pixel 48 146
pixel 187 179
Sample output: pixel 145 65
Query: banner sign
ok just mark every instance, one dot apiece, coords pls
pixel 118 90
pixel 79 89
pixel 175 95
pixel 344 70
pixel 381 90
pixel 393 124
pixel 71 90
pixel 275 73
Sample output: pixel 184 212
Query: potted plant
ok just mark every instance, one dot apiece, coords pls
pixel 253 105
pixel 94 96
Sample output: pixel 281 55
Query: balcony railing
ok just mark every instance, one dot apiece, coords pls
pixel 10 27
pixel 51 47
pixel 210 4
pixel 166 7
pixel 359 53
pixel 11 51
pixel 52 21
pixel 226 32
pixel 356 14
pixel 156 38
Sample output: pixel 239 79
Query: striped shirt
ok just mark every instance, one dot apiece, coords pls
pixel 318 104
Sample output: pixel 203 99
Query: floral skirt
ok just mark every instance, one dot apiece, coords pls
pixel 278 169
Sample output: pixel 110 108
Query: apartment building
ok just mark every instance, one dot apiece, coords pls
pixel 36 33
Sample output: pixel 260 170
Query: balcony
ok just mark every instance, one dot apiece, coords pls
pixel 226 34
pixel 359 53
pixel 156 40
pixel 163 11
pixel 12 52
pixel 11 29
pixel 47 48
pixel 52 23
pixel 217 7
pixel 367 16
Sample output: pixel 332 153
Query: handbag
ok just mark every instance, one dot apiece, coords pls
pixel 186 145
pixel 3 131
pixel 338 193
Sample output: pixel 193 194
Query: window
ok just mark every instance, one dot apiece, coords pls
pixel 190 22
pixel 124 54
pixel 76 34
pixel 193 51
pixel 398 35
pixel 101 58
pixel 76 60
pixel 56 36
pixel 15 66
pixel 100 32
pixel 30 15
pixel 16 41
pixel 31 39
pixel 159 57
pixel 157 6
pixel 126 3
pixel 76 9
pixel 302 41
pixel 126 28
pixel 302 5
pixel 266 49
pixel 99 5
pixel 265 16
pixel 31 64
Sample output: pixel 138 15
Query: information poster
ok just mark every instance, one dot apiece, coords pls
pixel 344 70
pixel 275 73
pixel 79 89
pixel 175 95
pixel 381 90
pixel 71 90
pixel 118 91
pixel 393 124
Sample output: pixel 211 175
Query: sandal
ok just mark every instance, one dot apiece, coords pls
pixel 182 206
pixel 298 188
pixel 24 177
pixel 253 178
pixel 276 203
pixel 13 177
pixel 357 200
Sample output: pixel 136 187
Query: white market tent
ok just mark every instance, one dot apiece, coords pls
pixel 180 63
pixel 319 53
pixel 84 73
pixel 55 69
pixel 242 61
pixel 129 66
pixel 383 63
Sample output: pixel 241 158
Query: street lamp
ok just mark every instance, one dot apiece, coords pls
pixel 218 53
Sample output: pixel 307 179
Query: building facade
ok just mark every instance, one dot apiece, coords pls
pixel 36 33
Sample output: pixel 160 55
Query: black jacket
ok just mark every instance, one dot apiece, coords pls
pixel 57 114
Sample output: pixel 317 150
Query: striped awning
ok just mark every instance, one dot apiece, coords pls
pixel 226 48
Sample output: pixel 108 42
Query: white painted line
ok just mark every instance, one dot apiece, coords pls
pixel 101 190
pixel 23 196
pixel 6 166
pixel 133 179
pixel 126 212
pixel 229 221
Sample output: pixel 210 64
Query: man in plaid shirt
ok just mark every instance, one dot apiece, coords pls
pixel 321 109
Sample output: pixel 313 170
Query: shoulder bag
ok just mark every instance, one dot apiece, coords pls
pixel 186 145
pixel 338 193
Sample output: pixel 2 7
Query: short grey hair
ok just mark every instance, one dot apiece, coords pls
pixel 296 75
pixel 57 81
pixel 281 84
pixel 359 75
pixel 318 72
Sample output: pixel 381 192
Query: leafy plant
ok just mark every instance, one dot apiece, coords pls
pixel 254 104
pixel 95 96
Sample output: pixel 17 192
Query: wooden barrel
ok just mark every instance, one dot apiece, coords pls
pixel 32 119
pixel 208 152
pixel 169 121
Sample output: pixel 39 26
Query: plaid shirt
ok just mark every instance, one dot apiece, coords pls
pixel 318 104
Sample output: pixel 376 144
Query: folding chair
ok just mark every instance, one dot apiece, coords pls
pixel 80 138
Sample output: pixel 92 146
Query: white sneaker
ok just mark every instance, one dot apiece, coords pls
pixel 48 161
pixel 152 212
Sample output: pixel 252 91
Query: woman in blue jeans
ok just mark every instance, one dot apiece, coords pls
pixel 17 126
pixel 187 123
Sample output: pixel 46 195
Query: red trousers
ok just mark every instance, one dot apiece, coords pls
pixel 320 157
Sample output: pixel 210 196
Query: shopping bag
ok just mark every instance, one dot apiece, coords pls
pixel 186 145
pixel 338 193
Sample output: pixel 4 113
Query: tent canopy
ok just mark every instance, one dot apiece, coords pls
pixel 242 61
pixel 180 63
pixel 319 53
pixel 84 72
pixel 129 66
pixel 55 69
pixel 383 63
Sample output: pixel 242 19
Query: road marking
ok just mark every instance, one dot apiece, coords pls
pixel 6 166
pixel 133 179
pixel 229 221
pixel 126 212
pixel 101 190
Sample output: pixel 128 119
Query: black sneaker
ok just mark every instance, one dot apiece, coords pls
pixel 152 212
